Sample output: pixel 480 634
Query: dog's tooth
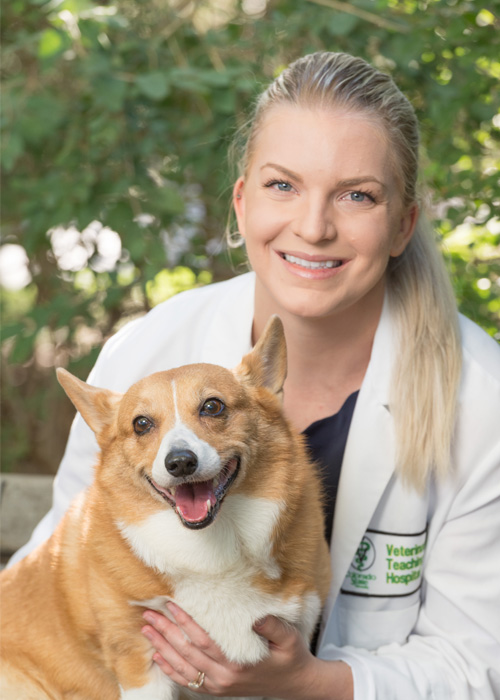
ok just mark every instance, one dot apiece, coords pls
pixel 209 505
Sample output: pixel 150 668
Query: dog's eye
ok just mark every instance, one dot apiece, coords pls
pixel 142 425
pixel 212 407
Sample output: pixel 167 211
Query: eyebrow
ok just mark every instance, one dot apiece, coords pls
pixel 350 182
pixel 285 171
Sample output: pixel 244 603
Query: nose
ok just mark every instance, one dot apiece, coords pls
pixel 315 220
pixel 181 462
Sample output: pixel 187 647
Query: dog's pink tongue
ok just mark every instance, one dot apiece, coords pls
pixel 194 500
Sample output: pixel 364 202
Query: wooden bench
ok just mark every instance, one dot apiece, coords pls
pixel 24 500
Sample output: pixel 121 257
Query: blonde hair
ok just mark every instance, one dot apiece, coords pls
pixel 429 357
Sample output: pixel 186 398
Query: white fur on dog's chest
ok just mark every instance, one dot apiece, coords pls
pixel 213 571
pixel 240 536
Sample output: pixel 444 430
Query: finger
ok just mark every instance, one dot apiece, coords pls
pixel 169 670
pixel 172 642
pixel 199 638
pixel 169 659
pixel 276 631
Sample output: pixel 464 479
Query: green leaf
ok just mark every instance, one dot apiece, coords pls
pixel 23 348
pixel 12 329
pixel 168 200
pixel 12 148
pixel 214 78
pixel 109 93
pixel 120 218
pixel 341 24
pixel 225 102
pixel 154 85
pixel 51 43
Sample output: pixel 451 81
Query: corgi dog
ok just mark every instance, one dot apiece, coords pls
pixel 203 494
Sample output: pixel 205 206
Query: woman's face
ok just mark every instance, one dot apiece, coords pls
pixel 321 211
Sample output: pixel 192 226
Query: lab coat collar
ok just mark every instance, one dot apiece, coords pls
pixel 230 327
pixel 369 459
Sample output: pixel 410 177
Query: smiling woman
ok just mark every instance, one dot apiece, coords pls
pixel 396 395
pixel 320 240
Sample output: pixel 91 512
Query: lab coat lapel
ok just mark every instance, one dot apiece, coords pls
pixel 369 460
pixel 229 326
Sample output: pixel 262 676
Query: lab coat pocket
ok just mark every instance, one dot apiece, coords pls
pixel 371 629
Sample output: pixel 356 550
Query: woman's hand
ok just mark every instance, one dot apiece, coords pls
pixel 184 651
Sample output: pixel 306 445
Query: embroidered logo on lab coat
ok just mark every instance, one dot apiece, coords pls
pixel 365 555
pixel 386 564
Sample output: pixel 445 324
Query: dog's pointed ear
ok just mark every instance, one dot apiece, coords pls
pixel 266 365
pixel 97 406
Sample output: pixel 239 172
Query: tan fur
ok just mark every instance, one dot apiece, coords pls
pixel 68 628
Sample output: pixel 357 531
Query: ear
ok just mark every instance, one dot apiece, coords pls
pixel 407 227
pixel 97 406
pixel 266 364
pixel 239 204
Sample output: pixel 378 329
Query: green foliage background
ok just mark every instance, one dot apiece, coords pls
pixel 121 113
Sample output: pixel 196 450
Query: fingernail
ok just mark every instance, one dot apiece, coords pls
pixel 261 622
pixel 158 659
pixel 172 607
pixel 147 633
pixel 149 617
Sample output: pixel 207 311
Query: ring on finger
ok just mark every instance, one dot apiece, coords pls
pixel 198 682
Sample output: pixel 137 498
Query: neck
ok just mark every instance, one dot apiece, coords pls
pixel 327 356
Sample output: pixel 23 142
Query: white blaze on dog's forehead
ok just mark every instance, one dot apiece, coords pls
pixel 174 397
pixel 182 437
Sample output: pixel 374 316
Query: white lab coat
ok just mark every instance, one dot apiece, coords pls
pixel 434 634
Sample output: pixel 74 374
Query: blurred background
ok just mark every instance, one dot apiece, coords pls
pixel 116 120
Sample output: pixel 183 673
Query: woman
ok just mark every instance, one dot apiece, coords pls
pixel 385 379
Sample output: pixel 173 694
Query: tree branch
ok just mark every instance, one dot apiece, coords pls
pixel 350 9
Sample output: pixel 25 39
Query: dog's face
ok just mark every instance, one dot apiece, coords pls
pixel 185 433
pixel 184 438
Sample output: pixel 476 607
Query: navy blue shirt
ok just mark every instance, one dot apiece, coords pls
pixel 326 439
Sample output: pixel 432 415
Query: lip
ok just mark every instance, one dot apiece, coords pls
pixel 319 272
pixel 220 485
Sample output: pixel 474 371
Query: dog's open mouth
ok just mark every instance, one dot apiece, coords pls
pixel 197 502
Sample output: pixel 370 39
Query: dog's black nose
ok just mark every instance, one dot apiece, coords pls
pixel 181 462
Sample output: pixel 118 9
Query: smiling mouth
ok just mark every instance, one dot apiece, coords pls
pixel 312 264
pixel 197 503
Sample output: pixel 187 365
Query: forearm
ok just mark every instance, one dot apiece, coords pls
pixel 325 680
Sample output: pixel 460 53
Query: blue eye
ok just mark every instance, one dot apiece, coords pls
pixel 361 197
pixel 358 196
pixel 280 185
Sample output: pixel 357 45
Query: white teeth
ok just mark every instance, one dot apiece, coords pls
pixel 209 505
pixel 310 264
